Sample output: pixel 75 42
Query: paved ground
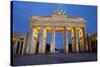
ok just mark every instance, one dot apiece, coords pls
pixel 52 59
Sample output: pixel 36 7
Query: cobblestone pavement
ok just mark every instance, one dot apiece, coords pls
pixel 53 58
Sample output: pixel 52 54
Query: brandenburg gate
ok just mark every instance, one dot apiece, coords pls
pixel 57 22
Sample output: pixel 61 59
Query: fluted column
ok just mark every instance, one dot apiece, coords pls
pixel 15 47
pixel 77 40
pixel 41 40
pixel 44 41
pixel 52 46
pixel 28 46
pixel 82 40
pixel 33 41
pixel 66 48
pixel 73 40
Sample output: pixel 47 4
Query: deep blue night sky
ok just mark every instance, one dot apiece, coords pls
pixel 23 11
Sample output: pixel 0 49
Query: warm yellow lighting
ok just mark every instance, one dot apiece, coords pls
pixel 72 33
pixel 69 28
pixel 13 40
pixel 48 28
pixel 81 32
pixel 35 33
pixel 38 28
pixel 57 29
pixel 44 33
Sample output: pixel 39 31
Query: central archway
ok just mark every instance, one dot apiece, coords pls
pixel 59 42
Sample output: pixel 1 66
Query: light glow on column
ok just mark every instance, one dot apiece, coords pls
pixel 35 33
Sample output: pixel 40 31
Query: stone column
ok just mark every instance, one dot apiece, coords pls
pixel 77 40
pixel 28 46
pixel 85 40
pixel 15 47
pixel 82 39
pixel 44 41
pixel 41 40
pixel 52 46
pixel 73 40
pixel 66 47
pixel 33 41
